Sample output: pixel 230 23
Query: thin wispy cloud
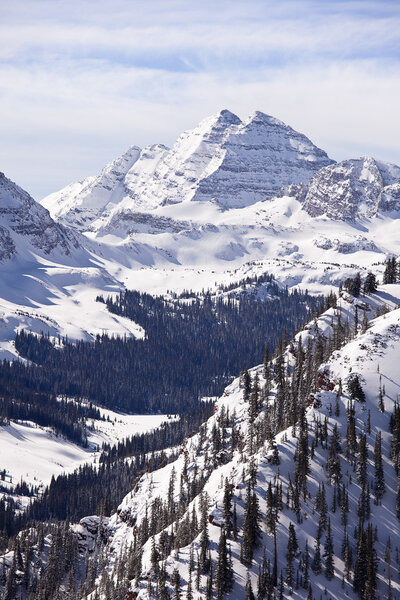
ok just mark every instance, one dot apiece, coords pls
pixel 79 82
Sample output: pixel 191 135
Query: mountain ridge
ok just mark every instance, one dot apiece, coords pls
pixel 21 218
pixel 223 160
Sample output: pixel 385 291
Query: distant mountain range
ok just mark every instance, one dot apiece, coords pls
pixel 230 199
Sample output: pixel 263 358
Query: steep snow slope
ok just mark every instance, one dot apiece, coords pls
pixel 48 275
pixel 80 203
pixel 373 357
pixel 58 299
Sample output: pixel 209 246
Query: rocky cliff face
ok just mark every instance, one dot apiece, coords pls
pixel 260 157
pixel 24 223
pixel 354 189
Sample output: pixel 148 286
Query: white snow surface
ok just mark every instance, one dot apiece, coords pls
pixel 34 454
pixel 372 355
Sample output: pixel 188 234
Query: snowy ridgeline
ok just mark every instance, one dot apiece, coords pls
pixel 324 488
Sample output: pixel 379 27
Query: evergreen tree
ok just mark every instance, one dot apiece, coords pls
pixel 316 562
pixel 390 273
pixel 370 284
pixel 322 507
pixel 271 512
pixel 210 582
pixel 348 558
pixel 189 590
pixel 362 459
pixel 370 579
pixel 344 505
pixel 328 554
pixel 275 564
pixel 290 554
pixel 246 385
pixel 353 285
pixel 275 455
pixel 205 539
pixel 163 593
pixel 281 587
pixel 266 369
pixel 228 514
pixel 379 482
pixel 249 589
pixel 360 567
pixel 381 402
pixel 224 570
pixel 176 584
pixel 234 522
pixel 306 566
pixel 363 510
pixel 251 527
pixel 333 464
pixel 351 438
pixel 302 457
pixel 364 322
pixel 355 389
pixel 252 473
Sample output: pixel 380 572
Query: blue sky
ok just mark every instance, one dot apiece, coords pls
pixel 80 81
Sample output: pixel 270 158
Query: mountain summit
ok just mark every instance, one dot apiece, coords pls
pixel 224 160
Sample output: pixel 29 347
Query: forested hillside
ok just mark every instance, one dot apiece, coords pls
pixel 192 348
pixel 290 489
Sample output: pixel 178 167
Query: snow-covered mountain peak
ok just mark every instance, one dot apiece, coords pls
pixel 223 160
pixel 220 119
pixel 260 118
pixel 353 189
pixel 284 139
pixel 12 196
